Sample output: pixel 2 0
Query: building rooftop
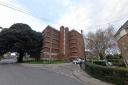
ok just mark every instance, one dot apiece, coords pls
pixel 124 26
pixel 50 28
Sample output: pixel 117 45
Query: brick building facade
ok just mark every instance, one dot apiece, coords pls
pixel 122 39
pixel 62 45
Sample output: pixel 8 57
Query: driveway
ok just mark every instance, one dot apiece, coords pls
pixel 26 75
pixel 69 70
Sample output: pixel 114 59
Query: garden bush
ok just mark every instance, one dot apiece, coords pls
pixel 119 76
pixel 117 62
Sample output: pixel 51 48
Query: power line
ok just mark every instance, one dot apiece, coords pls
pixel 13 8
pixel 95 25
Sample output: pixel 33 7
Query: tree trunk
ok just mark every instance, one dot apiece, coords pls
pixel 101 56
pixel 20 58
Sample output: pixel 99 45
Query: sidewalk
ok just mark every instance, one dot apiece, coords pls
pixel 70 70
pixel 87 79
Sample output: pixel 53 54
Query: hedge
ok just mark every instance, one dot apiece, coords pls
pixel 44 62
pixel 117 62
pixel 118 76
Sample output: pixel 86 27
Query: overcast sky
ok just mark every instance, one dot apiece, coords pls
pixel 88 15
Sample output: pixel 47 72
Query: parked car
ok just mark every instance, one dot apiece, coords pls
pixel 77 61
pixel 8 61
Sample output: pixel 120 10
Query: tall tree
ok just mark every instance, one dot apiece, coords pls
pixel 100 41
pixel 22 39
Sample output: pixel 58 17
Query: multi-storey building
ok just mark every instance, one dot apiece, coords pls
pixel 76 44
pixel 62 45
pixel 51 41
pixel 122 39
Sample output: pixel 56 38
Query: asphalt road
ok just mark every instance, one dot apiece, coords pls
pixel 20 75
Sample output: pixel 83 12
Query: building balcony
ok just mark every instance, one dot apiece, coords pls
pixel 74 51
pixel 55 38
pixel 56 34
pixel 48 53
pixel 46 45
pixel 73 46
pixel 55 41
pixel 55 47
pixel 46 36
pixel 72 42
pixel 50 46
pixel 72 34
pixel 73 38
pixel 46 40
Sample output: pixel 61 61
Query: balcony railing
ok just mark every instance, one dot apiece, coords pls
pixel 72 41
pixel 73 46
pixel 74 51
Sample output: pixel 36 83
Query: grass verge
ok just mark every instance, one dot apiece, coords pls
pixel 44 62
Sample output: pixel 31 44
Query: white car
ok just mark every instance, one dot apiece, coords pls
pixel 77 61
pixel 8 61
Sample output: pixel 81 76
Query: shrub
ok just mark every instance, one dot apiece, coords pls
pixel 115 75
pixel 117 62
pixel 116 56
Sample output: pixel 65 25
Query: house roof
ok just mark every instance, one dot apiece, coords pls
pixel 124 26
pixel 50 28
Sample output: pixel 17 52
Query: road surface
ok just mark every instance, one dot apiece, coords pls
pixel 14 74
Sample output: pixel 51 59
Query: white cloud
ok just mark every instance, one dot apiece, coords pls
pixel 88 15
pixel 76 17
pixel 9 16
pixel 66 2
pixel 91 15
pixel 111 11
